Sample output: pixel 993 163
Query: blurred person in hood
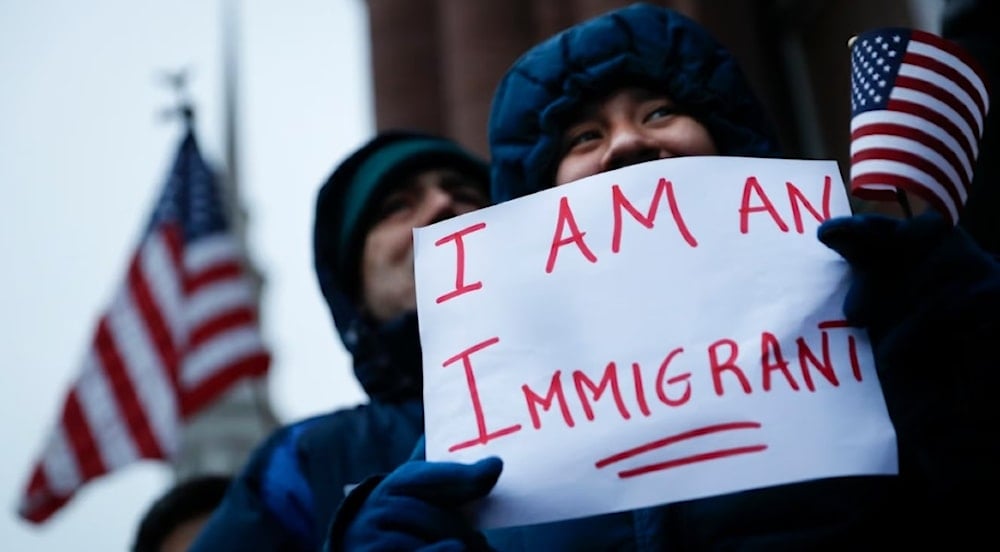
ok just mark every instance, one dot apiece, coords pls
pixel 363 253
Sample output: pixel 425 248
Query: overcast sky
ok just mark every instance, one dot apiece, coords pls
pixel 83 154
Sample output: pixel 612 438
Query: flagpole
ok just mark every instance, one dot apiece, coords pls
pixel 219 439
pixel 230 87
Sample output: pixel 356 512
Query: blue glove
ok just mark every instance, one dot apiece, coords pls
pixel 419 507
pixel 901 267
pixel 930 299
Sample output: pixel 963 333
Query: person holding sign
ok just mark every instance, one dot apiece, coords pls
pixel 365 213
pixel 645 83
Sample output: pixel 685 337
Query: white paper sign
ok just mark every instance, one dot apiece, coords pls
pixel 666 331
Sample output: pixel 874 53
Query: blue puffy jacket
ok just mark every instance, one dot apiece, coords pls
pixel 933 337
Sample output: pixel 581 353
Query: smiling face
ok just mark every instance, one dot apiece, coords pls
pixel 627 127
pixel 430 196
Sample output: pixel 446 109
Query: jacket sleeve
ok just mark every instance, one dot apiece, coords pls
pixel 269 505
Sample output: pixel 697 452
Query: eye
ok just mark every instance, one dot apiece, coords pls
pixel 465 192
pixel 392 204
pixel 579 136
pixel 660 111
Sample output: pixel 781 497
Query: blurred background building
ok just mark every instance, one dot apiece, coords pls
pixel 436 63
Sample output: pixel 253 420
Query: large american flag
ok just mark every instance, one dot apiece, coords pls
pixel 181 329
pixel 918 103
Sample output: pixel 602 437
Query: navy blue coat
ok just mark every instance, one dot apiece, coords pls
pixel 285 496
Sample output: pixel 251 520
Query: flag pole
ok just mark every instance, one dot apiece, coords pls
pixel 221 436
pixel 230 87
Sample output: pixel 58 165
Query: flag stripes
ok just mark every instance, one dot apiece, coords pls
pixel 918 107
pixel 180 331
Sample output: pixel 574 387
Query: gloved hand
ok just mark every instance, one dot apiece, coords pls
pixel 900 267
pixel 930 299
pixel 419 507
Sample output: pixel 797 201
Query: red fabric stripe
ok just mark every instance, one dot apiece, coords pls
pixel 223 271
pixel 912 160
pixel 156 327
pixel 243 316
pixel 944 96
pixel 40 502
pixel 917 135
pixel 89 461
pixel 953 49
pixel 223 377
pixel 125 394
pixel 949 73
pixel 935 118
pixel 174 239
pixel 898 181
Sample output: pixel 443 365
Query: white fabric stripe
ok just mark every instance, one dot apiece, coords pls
pixel 164 284
pixel 145 370
pixel 942 108
pixel 879 187
pixel 893 167
pixel 219 352
pixel 210 250
pixel 220 296
pixel 106 421
pixel 957 64
pixel 59 463
pixel 926 75
pixel 915 148
pixel 912 121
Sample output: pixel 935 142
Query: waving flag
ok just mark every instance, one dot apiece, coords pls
pixel 179 331
pixel 918 103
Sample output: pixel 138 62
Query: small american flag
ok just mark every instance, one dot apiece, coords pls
pixel 180 330
pixel 918 103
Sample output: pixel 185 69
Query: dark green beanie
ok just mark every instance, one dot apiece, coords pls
pixel 345 203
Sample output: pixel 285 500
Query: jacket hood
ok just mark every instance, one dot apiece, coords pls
pixel 387 359
pixel 642 45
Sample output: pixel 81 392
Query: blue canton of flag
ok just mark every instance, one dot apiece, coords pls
pixel 190 197
pixel 875 64
pixel 180 330
pixel 918 104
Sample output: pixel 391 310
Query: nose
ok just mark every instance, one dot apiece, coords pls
pixel 628 145
pixel 436 204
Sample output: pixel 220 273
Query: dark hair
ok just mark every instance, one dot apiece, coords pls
pixel 185 501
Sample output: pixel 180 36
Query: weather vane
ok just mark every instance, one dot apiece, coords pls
pixel 178 82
